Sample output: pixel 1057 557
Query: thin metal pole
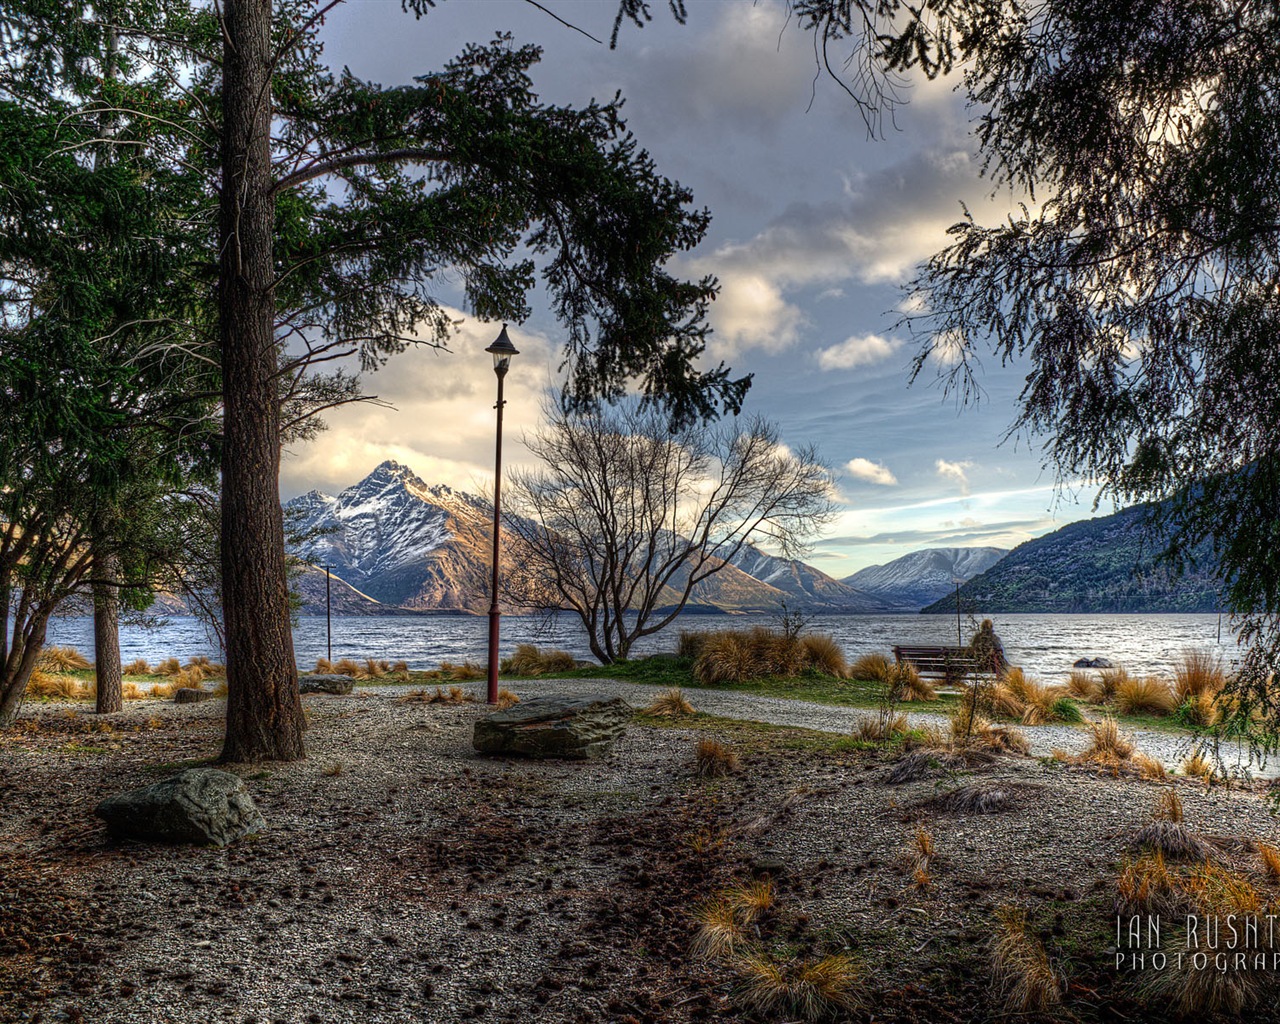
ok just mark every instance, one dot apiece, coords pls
pixel 328 617
pixel 494 613
pixel 959 634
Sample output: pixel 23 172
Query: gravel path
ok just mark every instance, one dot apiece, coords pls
pixel 1169 747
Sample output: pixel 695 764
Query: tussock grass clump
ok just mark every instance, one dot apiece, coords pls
pixel 823 654
pixel 335 769
pixel 466 672
pixel 808 990
pixel 168 667
pixel 454 695
pixel 1020 965
pixel 873 668
pixel 41 684
pixel 1083 686
pixel 131 691
pixel 374 669
pixel 528 660
pixel 906 683
pixel 1168 835
pixel 1270 858
pixel 346 667
pixel 61 659
pixel 1107 744
pixel 1145 886
pixel 400 668
pixel 1198 673
pixel 881 728
pixel 221 689
pixel 324 667
pixel 713 759
pixel 670 704
pixel 1111 679
pixel 1148 767
pixel 507 699
pixel 720 934
pixel 751 901
pixel 137 667
pixel 690 643
pixel 1149 695
pixel 973 731
pixel 1168 806
pixel 1197 766
pixel 974 800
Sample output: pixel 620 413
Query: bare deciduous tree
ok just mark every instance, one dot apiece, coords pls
pixel 626 517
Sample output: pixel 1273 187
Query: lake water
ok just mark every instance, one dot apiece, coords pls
pixel 1045 645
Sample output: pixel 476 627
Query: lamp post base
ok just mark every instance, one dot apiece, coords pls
pixel 494 616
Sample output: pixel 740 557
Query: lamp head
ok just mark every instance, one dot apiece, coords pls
pixel 502 350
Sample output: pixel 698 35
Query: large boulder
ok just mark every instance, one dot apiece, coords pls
pixel 317 683
pixel 554 726
pixel 199 805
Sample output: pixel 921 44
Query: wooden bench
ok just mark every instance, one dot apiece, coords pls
pixel 951 664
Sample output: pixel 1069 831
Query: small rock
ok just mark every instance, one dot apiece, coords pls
pixel 199 805
pixel 554 726
pixel 191 695
pixel 315 683
pixel 1093 663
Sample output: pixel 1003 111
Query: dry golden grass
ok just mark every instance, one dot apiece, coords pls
pixel 168 667
pixel 324 667
pixel 221 690
pixel 1084 686
pixel 880 728
pixel 468 671
pixel 1148 767
pixel 1107 744
pixel 907 684
pixel 735 656
pixel 1168 806
pixel 1201 710
pixel 720 933
pixel 400 668
pixel 1198 673
pixel 1270 858
pixel 137 667
pixel 528 660
pixel 61 659
pixel 1168 834
pixel 689 645
pixel 808 990
pixel 921 877
pixel 670 704
pixel 823 654
pixel 345 667
pixel 713 759
pixel 971 731
pixel 1020 965
pixel 752 900
pixel 374 669
pixel 1197 766
pixel 1145 886
pixel 506 699
pixel 335 769
pixel 874 668
pixel 923 842
pixel 454 695
pixel 1111 679
pixel 131 691
pixel 1149 695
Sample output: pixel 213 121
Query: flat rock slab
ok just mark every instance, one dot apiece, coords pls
pixel 561 727
pixel 190 695
pixel 316 683
pixel 200 805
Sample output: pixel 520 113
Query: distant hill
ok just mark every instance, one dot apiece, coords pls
pixel 403 544
pixel 1105 564
pixel 922 577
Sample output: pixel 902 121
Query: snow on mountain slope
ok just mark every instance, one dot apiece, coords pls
pixel 922 577
pixel 803 585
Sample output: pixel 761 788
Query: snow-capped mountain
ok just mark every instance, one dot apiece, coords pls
pixel 410 545
pixel 922 577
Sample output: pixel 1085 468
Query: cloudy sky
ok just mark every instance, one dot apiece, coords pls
pixel 815 229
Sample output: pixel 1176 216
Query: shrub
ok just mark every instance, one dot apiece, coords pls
pixel 1053 707
pixel 1107 744
pixel 1083 686
pixel 822 654
pixel 872 668
pixel 713 759
pixel 1198 673
pixel 809 990
pixel 982 734
pixel 1021 966
pixel 454 695
pixel 199 661
pixel 61 659
pixel 670 704
pixel 137 667
pixel 1198 711
pixel 1148 695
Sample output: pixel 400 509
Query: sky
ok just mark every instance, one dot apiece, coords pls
pixel 816 228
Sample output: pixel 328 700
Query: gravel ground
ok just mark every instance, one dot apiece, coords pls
pixel 404 879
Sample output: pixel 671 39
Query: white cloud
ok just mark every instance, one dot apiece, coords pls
pixel 956 471
pixel 857 350
pixel 750 312
pixel 871 472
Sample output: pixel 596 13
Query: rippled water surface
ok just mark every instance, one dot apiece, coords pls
pixel 1045 645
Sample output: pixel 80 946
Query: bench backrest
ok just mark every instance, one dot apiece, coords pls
pixel 936 662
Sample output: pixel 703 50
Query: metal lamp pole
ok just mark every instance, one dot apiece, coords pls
pixel 502 350
pixel 328 615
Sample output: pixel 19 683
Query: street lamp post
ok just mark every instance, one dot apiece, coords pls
pixel 328 615
pixel 502 350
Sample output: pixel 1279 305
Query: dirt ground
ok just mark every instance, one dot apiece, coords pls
pixel 404 878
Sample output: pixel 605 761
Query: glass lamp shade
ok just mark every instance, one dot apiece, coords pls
pixel 502 350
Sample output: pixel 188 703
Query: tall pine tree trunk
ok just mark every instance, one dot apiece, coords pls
pixel 264 710
pixel 106 631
